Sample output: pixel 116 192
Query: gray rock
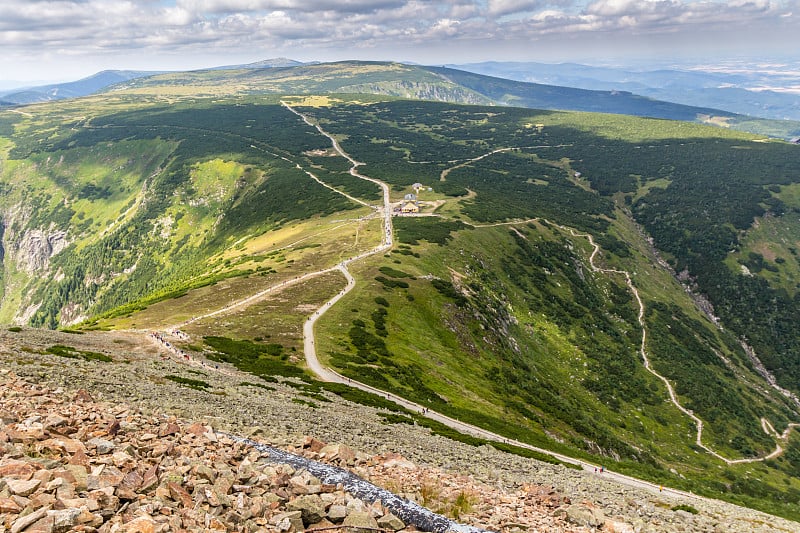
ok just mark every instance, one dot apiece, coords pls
pixel 358 520
pixel 65 519
pixel 390 521
pixel 583 515
pixel 288 521
pixel 103 446
pixel 311 506
pixel 337 513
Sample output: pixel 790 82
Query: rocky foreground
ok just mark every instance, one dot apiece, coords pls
pixel 115 446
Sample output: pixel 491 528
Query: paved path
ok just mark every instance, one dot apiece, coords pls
pixel 327 374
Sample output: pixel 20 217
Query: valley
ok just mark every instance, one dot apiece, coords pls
pixel 529 306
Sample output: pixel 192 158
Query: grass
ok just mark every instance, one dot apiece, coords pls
pixel 73 353
pixel 286 252
pixel 195 384
pixel 771 249
pixel 436 352
pixel 277 318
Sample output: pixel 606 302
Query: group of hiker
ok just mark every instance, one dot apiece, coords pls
pixel 169 346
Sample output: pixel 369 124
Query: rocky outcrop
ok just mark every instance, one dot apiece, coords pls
pixel 2 234
pixel 34 248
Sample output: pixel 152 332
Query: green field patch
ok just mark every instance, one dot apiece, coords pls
pixel 195 384
pixel 258 359
pixel 73 353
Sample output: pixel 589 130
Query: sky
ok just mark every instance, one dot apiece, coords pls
pixel 58 40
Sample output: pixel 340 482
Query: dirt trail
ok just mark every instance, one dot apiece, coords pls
pixel 766 426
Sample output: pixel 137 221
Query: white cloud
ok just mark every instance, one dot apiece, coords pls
pixel 49 28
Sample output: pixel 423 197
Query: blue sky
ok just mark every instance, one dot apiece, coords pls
pixel 68 39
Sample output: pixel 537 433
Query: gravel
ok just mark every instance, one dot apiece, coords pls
pixel 137 377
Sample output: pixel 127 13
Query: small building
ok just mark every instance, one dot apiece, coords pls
pixel 410 197
pixel 409 207
pixel 417 187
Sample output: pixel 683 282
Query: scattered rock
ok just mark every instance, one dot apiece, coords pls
pixel 584 515
pixel 360 522
pixel 391 522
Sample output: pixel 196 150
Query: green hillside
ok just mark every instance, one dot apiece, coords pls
pixel 438 84
pixel 144 208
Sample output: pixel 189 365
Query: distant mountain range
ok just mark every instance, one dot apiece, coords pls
pixel 715 97
pixel 265 63
pixel 741 92
pixel 73 89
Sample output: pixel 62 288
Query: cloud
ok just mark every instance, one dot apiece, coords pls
pixel 499 8
pixel 43 28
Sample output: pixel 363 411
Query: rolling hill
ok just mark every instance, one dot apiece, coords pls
pixel 614 288
pixel 740 90
pixel 721 107
pixel 449 85
pixel 73 89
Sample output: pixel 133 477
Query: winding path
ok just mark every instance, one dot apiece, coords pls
pixel 765 424
pixel 670 389
pixel 327 374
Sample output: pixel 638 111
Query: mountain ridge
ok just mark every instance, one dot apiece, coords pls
pixel 502 91
pixel 745 93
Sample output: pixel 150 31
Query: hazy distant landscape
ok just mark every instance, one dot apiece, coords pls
pixel 769 90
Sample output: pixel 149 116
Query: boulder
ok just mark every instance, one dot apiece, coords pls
pixel 21 487
pixel 65 519
pixel 390 521
pixel 584 515
pixel 311 506
pixel 102 446
pixel 337 513
pixel 359 522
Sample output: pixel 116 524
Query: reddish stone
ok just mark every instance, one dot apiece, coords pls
pixel 18 470
pixel 179 494
pixel 313 444
pixel 113 428
pixel 170 428
pixel 82 396
pixel 197 429
pixel 7 505
pixel 79 458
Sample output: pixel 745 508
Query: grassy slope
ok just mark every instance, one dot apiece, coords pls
pixel 458 346
pixel 150 195
pixel 438 84
pixel 524 315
